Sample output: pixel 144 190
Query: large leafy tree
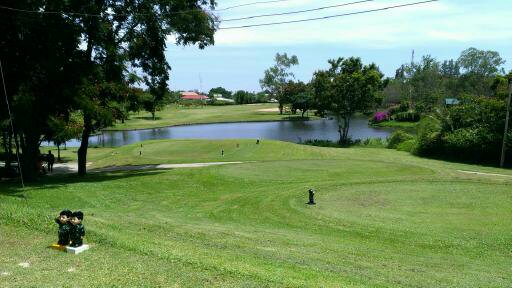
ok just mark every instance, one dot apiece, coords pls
pixel 276 77
pixel 63 129
pixel 135 34
pixel 298 95
pixel 73 55
pixel 422 83
pixel 40 59
pixel 222 91
pixel 346 88
pixel 479 68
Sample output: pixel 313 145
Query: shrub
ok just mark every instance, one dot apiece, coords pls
pixel 429 137
pixel 398 137
pixel 403 107
pixel 407 146
pixel 409 116
pixel 477 144
pixel 220 103
pixel 380 116
pixel 373 143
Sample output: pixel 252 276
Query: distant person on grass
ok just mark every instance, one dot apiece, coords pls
pixel 50 159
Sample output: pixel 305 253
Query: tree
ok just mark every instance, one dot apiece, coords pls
pixel 346 88
pixel 393 93
pixel 450 72
pixel 422 83
pixel 135 33
pixel 298 95
pixel 221 91
pixel 152 103
pixel 57 62
pixel 484 63
pixel 244 97
pixel 277 76
pixel 304 101
pixel 40 59
pixel 63 130
pixel 479 68
pixel 471 131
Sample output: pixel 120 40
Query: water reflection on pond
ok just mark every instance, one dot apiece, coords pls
pixel 292 131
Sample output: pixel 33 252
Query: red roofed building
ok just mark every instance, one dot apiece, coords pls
pixel 192 96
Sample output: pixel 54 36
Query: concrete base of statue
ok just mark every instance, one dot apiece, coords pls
pixel 76 250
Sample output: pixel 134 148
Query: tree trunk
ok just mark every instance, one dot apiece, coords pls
pixel 30 157
pixel 346 120
pixel 281 108
pixel 8 151
pixel 6 143
pixel 340 131
pixel 343 128
pixel 58 152
pixel 86 132
pixel 153 114
pixel 84 145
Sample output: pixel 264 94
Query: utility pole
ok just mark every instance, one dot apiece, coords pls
pixel 507 120
pixel 201 88
pixel 411 104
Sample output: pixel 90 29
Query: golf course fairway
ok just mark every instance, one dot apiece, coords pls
pixel 383 219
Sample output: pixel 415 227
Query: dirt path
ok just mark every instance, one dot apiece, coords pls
pixel 482 173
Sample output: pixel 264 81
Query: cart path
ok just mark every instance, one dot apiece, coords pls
pixel 484 174
pixel 72 167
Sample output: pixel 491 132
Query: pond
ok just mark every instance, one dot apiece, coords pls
pixel 291 131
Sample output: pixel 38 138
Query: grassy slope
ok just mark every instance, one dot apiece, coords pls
pixel 383 219
pixel 173 115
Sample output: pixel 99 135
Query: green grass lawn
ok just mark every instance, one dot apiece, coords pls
pixel 384 219
pixel 173 115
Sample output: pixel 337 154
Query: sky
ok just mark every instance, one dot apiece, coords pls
pixel 239 57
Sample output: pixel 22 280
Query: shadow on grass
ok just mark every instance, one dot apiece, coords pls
pixel 13 188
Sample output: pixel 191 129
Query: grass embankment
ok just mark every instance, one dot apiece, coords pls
pixel 174 115
pixel 384 219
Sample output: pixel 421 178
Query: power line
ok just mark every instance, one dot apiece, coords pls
pixel 250 4
pixel 136 14
pixel 297 12
pixel 95 15
pixel 327 17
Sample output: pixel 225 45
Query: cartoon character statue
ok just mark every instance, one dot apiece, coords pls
pixel 64 227
pixel 77 232
pixel 311 197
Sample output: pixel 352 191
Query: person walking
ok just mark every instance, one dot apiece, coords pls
pixel 50 159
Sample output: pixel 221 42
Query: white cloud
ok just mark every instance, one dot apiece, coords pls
pixel 461 21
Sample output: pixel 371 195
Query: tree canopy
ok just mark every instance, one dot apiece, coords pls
pixel 346 88
pixel 277 76
pixel 74 55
